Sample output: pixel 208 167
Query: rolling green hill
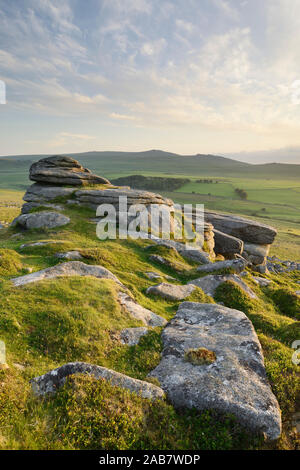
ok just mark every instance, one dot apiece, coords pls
pixel 156 162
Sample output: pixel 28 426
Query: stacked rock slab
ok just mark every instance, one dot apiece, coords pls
pixel 63 179
pixel 234 235
pixel 256 237
pixel 62 170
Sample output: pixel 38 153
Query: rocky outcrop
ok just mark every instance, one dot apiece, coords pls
pixel 227 245
pixel 256 254
pixel 196 254
pixel 171 291
pixel 244 229
pixel 234 381
pixel 63 170
pixel 132 336
pixel 140 313
pixel 210 283
pixel 53 380
pixel 69 255
pixel 237 265
pixel 71 268
pixel 262 281
pixel 43 219
pixel 153 276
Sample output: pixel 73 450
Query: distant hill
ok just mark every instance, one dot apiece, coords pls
pixel 157 162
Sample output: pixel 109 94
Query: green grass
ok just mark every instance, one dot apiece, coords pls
pixel 47 324
pixel 80 319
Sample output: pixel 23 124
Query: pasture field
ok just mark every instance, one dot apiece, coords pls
pixel 285 219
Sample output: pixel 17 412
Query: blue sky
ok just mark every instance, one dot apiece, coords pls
pixel 188 76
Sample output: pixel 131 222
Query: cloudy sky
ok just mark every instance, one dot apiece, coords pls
pixel 187 76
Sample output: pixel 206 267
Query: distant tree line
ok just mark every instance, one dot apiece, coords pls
pixel 151 182
pixel 241 193
pixel 207 181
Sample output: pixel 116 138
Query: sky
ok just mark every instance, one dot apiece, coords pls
pixel 186 76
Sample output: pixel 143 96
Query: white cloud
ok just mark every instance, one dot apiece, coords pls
pixel 77 136
pixel 154 47
pixel 227 9
pixel 128 6
pixel 122 117
pixel 185 26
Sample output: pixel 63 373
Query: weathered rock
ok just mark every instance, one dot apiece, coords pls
pixel 262 281
pixel 93 198
pixel 297 292
pixel 29 206
pixel 63 170
pixel 71 268
pixel 262 269
pixel 43 193
pixel 238 265
pixel 140 313
pixel 234 383
pixel 132 336
pixel 257 250
pixel 53 380
pixel 159 259
pixel 1 226
pixel 69 255
pixel 245 229
pixel 171 291
pixel 210 283
pixel 184 250
pixel 38 244
pixel 256 254
pixel 43 219
pixel 152 275
pixel 227 245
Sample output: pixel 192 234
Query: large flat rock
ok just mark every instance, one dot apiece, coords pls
pixel 53 380
pixel 171 291
pixel 63 170
pixel 237 265
pixel 43 219
pixel 71 268
pixel 210 283
pixel 93 197
pixel 139 312
pixel 247 230
pixel 235 382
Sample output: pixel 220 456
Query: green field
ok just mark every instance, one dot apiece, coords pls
pixel 273 190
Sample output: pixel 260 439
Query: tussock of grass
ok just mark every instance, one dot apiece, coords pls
pixel 287 301
pixel 90 414
pixel 10 262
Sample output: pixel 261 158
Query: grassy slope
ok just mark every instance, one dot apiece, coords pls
pixel 80 319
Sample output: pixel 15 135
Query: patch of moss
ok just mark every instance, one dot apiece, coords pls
pixel 287 302
pixel 200 356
